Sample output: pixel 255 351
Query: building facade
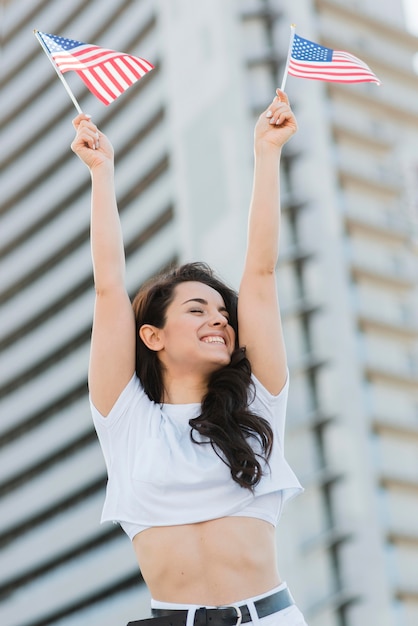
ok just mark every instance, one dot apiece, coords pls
pixel 348 284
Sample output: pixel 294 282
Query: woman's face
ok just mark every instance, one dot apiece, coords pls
pixel 197 336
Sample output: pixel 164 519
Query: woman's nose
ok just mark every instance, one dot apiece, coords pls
pixel 219 320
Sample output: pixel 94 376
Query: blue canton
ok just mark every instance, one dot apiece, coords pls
pixel 55 43
pixel 305 50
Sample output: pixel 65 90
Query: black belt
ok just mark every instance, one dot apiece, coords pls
pixel 222 616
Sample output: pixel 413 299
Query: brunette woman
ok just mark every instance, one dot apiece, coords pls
pixel 188 391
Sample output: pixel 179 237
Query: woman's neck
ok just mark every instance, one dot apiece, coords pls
pixel 184 390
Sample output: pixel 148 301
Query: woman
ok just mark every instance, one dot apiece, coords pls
pixel 190 415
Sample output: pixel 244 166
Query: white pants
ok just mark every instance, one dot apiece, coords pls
pixel 291 616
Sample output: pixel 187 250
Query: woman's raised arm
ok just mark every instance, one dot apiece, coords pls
pixel 112 357
pixel 259 321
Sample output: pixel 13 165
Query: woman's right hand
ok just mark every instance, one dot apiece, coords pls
pixel 91 145
pixel 276 125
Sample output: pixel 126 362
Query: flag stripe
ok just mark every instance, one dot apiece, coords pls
pixel 331 66
pixel 142 65
pixel 335 78
pixel 95 86
pixel 69 62
pixel 113 75
pixel 338 76
pixel 137 68
pixel 349 57
pixel 324 68
pixel 109 81
pixel 124 70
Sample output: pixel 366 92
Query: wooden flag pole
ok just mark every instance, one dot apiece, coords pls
pixel 61 77
pixel 289 54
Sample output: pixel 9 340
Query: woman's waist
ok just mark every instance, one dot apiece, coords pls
pixel 160 608
pixel 209 562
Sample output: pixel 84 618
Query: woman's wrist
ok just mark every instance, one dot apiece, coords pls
pixel 103 169
pixel 266 149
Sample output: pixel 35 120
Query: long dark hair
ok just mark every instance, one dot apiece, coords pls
pixel 225 420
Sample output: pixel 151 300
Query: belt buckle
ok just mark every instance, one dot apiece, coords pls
pixel 238 610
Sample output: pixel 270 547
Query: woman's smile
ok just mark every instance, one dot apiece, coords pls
pixel 214 339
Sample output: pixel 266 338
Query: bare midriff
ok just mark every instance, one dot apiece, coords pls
pixel 209 563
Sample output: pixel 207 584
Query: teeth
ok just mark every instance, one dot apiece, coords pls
pixel 214 340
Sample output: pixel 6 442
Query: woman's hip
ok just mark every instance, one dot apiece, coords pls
pixel 274 608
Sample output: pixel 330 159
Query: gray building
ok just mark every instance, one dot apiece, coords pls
pixel 348 282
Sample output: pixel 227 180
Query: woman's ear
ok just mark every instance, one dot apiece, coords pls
pixel 152 337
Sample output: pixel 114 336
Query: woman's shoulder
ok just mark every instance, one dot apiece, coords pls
pixel 129 400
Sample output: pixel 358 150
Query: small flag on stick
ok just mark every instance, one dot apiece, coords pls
pixel 307 59
pixel 106 73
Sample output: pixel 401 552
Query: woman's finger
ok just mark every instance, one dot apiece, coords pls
pixel 86 136
pixel 286 115
pixel 276 110
pixel 81 117
pixel 282 96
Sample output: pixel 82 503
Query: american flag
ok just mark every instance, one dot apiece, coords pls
pixel 310 60
pixel 106 73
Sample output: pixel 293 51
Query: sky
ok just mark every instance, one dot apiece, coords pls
pixel 411 14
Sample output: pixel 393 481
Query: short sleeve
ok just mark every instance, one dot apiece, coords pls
pixel 271 407
pixel 121 406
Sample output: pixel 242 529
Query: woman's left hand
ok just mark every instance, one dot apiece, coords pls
pixel 277 124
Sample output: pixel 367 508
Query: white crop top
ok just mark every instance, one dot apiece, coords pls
pixel 158 477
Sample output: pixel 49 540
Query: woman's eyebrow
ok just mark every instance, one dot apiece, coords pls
pixel 200 300
pixel 204 302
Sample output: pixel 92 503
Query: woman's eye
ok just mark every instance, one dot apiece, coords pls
pixel 196 311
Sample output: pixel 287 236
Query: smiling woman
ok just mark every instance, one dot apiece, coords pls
pixel 188 389
pixel 183 357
